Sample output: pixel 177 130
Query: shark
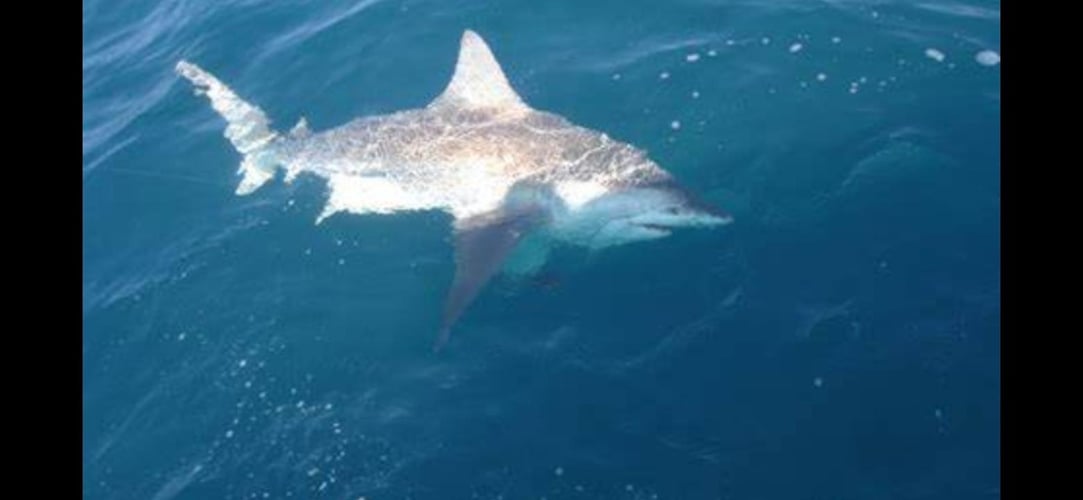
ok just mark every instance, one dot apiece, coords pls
pixel 512 177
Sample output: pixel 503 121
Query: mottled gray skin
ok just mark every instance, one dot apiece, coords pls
pixel 422 146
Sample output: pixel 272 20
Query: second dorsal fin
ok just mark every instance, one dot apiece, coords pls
pixel 478 82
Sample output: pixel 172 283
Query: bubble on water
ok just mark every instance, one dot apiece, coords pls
pixel 559 471
pixel 712 53
pixel 693 57
pixel 821 77
pixel 987 58
pixel 836 39
pixel 765 40
pixel 695 94
pixel 796 48
pixel 934 54
pixel 818 382
pixel 616 76
pixel 675 124
pixel 663 75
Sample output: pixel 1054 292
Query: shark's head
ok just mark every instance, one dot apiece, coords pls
pixel 645 212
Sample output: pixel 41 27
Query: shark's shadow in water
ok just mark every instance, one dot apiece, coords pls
pixel 502 169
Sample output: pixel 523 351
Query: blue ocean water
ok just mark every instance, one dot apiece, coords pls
pixel 840 340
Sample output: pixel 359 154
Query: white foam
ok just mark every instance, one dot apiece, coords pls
pixel 663 75
pixel 796 48
pixel 693 57
pixel 712 53
pixel 675 125
pixel 821 77
pixel 934 54
pixel 987 58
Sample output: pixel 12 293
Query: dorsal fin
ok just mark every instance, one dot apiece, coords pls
pixel 478 82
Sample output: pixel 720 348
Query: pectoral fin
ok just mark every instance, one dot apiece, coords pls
pixel 481 244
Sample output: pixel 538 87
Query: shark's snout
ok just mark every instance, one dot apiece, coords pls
pixel 685 208
pixel 708 213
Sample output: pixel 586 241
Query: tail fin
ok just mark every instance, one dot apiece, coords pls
pixel 248 128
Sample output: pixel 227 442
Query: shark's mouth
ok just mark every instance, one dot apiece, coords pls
pixel 655 227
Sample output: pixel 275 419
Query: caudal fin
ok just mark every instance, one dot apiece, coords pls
pixel 248 128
